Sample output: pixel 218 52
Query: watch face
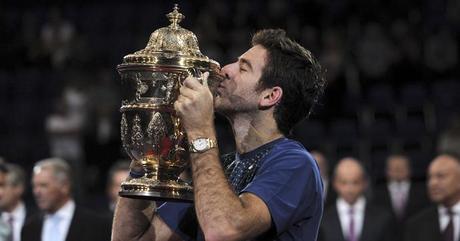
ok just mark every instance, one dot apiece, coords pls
pixel 200 144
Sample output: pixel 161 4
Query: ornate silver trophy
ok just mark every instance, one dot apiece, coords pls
pixel 151 131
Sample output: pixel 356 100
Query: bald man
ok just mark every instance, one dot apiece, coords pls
pixel 353 218
pixel 442 221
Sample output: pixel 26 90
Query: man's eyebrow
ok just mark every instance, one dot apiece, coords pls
pixel 245 61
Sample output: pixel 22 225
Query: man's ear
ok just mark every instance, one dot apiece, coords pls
pixel 270 97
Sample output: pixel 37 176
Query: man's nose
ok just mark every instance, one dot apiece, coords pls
pixel 226 71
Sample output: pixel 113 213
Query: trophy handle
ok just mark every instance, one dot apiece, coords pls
pixel 195 72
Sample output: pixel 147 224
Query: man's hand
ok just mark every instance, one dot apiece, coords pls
pixel 195 107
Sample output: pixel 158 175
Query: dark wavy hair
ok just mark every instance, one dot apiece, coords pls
pixel 294 69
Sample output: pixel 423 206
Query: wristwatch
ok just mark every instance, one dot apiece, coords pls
pixel 201 144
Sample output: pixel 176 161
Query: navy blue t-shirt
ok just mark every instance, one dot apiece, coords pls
pixel 287 179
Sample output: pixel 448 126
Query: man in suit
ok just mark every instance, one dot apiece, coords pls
pixel 61 219
pixel 323 163
pixel 440 222
pixel 399 194
pixel 353 218
pixel 5 229
pixel 13 209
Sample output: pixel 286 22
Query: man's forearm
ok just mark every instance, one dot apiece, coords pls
pixel 133 219
pixel 220 211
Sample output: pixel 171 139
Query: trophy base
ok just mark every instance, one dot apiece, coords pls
pixel 143 188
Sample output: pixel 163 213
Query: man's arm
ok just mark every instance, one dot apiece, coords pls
pixel 222 214
pixel 136 220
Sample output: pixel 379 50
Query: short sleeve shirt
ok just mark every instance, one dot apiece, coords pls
pixel 287 180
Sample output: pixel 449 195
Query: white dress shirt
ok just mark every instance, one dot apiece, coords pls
pixel 343 209
pixel 399 192
pixel 444 219
pixel 65 214
pixel 19 216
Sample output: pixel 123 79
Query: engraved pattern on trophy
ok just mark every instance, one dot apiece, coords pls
pixel 156 130
pixel 151 131
pixel 124 131
pixel 136 134
pixel 141 87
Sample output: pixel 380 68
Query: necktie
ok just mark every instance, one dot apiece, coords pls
pixel 400 201
pixel 11 227
pixel 448 233
pixel 351 227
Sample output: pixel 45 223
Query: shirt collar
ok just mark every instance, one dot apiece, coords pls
pixel 402 184
pixel 65 211
pixel 443 209
pixel 18 212
pixel 345 207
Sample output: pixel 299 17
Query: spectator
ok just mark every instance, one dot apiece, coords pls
pixel 61 219
pixel 353 218
pixel 400 195
pixel 5 228
pixel 13 209
pixel 440 222
pixel 57 36
pixel 117 174
pixel 329 194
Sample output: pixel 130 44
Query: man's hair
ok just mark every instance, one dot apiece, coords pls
pixel 358 162
pixel 16 176
pixel 60 169
pixel 294 69
pixel 451 154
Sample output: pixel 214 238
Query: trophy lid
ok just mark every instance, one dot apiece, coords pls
pixel 171 45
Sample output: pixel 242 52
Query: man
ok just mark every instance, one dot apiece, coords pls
pixel 5 229
pixel 13 209
pixel 329 194
pixel 271 188
pixel 353 218
pixel 117 174
pixel 61 219
pixel 400 195
pixel 441 222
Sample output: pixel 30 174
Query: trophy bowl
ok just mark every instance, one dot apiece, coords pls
pixel 151 132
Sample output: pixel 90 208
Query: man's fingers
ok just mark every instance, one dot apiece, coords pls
pixel 192 82
pixel 205 77
pixel 187 92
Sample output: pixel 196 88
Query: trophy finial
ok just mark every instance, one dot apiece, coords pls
pixel 175 17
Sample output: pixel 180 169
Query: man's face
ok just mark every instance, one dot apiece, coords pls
pixel 444 180
pixel 237 93
pixel 117 178
pixel 398 169
pixel 11 196
pixel 50 193
pixel 349 181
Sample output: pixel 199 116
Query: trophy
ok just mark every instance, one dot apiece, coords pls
pixel 151 132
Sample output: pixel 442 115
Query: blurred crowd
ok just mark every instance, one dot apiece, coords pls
pixel 390 108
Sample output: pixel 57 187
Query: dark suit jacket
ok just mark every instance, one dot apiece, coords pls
pixel 424 226
pixel 85 226
pixel 417 200
pixel 377 225
pixel 331 195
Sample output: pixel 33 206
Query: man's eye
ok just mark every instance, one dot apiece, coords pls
pixel 242 70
